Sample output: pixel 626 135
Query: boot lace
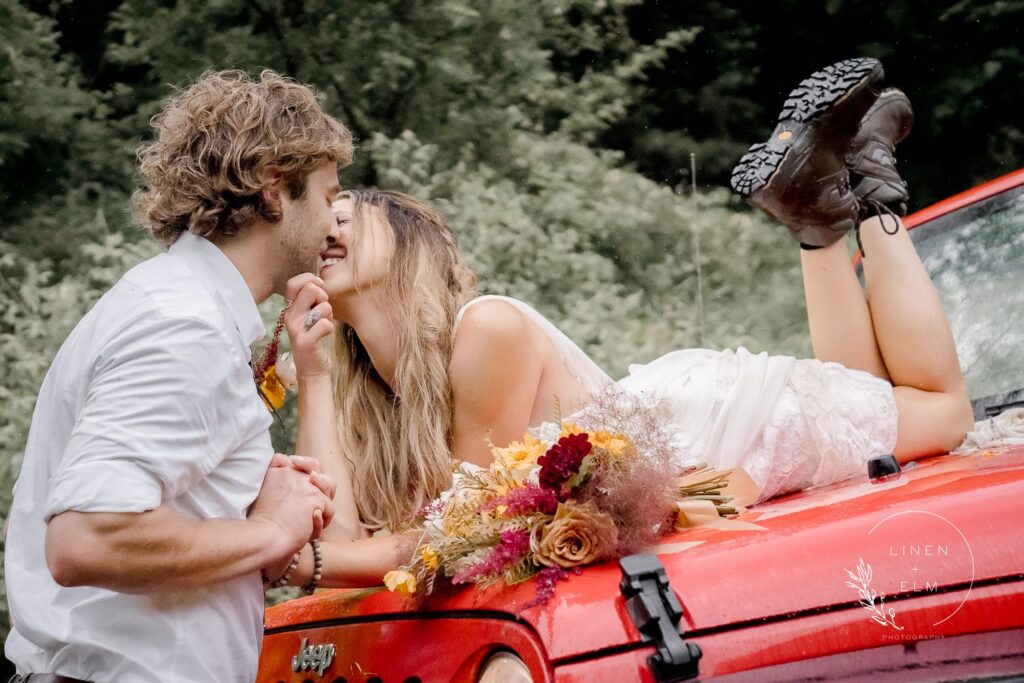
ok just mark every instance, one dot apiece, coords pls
pixel 879 211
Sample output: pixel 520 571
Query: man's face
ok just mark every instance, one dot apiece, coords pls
pixel 306 222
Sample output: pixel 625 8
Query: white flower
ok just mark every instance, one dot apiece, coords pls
pixel 286 373
pixel 548 432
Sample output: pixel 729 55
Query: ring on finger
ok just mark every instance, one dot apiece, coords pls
pixel 313 318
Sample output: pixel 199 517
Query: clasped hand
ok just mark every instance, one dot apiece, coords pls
pixel 296 502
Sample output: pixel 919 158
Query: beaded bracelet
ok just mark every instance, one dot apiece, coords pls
pixel 318 568
pixel 288 573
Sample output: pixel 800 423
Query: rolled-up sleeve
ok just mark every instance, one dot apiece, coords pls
pixel 156 418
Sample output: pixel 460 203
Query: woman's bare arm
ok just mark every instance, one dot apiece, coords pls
pixel 317 414
pixel 358 563
pixel 318 437
pixel 494 372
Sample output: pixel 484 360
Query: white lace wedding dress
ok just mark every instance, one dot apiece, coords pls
pixel 789 423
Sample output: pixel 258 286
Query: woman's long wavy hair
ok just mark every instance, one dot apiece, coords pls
pixel 398 438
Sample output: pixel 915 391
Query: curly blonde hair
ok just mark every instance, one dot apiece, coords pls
pixel 399 437
pixel 202 171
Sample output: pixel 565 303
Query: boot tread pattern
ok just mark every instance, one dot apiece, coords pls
pixel 754 169
pixel 812 97
pixel 823 88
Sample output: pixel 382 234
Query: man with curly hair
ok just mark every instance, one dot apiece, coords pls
pixel 147 505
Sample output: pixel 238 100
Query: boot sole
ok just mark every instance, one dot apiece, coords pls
pixel 814 96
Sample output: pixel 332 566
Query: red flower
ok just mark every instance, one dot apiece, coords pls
pixel 562 462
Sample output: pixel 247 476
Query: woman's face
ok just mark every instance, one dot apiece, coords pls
pixel 359 251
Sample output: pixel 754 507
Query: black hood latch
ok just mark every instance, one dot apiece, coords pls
pixel 655 610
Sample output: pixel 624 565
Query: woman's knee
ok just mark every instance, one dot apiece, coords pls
pixel 932 422
pixel 956 420
pixel 962 418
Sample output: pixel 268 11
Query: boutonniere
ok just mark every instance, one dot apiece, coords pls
pixel 271 390
pixel 274 375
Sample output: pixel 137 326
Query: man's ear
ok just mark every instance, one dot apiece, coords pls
pixel 271 182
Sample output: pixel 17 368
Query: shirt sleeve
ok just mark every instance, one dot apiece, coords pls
pixel 157 418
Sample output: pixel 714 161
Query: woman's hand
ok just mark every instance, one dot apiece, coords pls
pixel 309 301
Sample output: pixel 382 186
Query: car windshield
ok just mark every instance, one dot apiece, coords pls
pixel 975 256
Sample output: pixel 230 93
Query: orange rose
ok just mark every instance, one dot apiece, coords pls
pixel 578 535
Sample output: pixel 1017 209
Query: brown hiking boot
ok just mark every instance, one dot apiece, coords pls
pixel 872 155
pixel 799 176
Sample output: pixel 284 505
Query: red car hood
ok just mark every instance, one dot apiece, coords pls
pixel 948 521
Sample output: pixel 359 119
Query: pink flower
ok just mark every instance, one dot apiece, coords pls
pixel 514 544
pixel 526 499
pixel 546 582
pixel 433 507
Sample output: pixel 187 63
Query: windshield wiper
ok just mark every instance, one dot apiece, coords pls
pixel 990 406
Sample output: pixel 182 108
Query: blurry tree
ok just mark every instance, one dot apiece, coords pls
pixel 490 108
pixel 64 171
pixel 960 61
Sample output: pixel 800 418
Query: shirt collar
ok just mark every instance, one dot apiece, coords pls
pixel 219 274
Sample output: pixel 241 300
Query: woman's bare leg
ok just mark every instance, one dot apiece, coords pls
pixel 901 331
pixel 837 311
pixel 916 343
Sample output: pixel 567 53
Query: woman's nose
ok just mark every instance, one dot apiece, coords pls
pixel 335 234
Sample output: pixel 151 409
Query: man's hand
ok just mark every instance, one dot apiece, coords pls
pixel 295 506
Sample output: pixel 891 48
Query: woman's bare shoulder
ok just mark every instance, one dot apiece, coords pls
pixel 494 373
pixel 492 337
pixel 487 330
pixel 491 317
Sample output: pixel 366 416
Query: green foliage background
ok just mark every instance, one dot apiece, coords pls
pixel 555 135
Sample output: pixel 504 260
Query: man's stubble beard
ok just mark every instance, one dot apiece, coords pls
pixel 301 247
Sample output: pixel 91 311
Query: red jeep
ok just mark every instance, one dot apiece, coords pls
pixel 915 577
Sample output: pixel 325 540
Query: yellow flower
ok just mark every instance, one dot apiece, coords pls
pixel 519 457
pixel 569 429
pixel 431 560
pixel 271 390
pixel 400 581
pixel 617 445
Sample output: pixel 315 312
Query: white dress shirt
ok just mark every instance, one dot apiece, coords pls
pixel 149 401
